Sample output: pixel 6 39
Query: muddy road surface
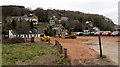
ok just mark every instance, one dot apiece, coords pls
pixel 86 48
pixel 77 50
pixel 109 45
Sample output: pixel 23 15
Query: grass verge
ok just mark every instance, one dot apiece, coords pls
pixel 24 51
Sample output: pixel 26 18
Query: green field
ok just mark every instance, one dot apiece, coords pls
pixel 25 51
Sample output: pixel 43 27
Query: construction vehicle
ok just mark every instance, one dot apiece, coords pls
pixel 71 34
pixel 62 33
pixel 44 38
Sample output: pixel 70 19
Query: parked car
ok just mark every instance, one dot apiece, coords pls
pixel 115 33
pixel 92 33
pixel 98 33
pixel 79 33
pixel 86 32
pixel 106 33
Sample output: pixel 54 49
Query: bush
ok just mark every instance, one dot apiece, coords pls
pixel 13 40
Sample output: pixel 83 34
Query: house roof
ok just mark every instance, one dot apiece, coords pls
pixel 33 17
pixel 58 26
pixel 19 17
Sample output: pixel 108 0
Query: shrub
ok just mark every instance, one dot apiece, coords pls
pixel 13 40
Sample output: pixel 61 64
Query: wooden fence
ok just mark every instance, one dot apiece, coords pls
pixel 61 49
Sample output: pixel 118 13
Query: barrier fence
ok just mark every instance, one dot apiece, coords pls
pixel 61 49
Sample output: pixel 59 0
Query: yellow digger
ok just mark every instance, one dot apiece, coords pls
pixel 45 38
pixel 71 34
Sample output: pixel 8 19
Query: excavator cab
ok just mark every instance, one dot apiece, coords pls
pixel 71 34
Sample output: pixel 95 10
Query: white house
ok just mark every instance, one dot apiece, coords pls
pixel 52 22
pixel 96 29
pixel 25 34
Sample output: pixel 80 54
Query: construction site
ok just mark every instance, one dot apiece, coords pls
pixel 85 49
pixel 58 37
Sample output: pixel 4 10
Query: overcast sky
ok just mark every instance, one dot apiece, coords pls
pixel 108 8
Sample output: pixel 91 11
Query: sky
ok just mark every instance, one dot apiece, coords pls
pixel 108 8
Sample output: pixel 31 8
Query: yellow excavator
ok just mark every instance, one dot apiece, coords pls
pixel 44 38
pixel 71 34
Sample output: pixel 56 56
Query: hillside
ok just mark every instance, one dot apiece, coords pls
pixel 75 18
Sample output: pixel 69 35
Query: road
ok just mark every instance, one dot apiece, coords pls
pixel 76 50
pixel 86 48
pixel 109 46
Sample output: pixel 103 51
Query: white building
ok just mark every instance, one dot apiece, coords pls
pixel 52 22
pixel 25 34
pixel 96 29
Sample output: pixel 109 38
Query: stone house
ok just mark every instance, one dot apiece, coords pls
pixel 59 29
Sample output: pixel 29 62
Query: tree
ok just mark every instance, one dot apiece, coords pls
pixel 42 14
pixel 64 23
pixel 50 32
pixel 13 24
pixel 13 10
pixel 100 21
pixel 31 25
pixel 71 23
pixel 22 25
pixel 79 27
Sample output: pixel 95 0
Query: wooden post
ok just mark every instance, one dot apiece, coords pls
pixel 55 42
pixel 49 41
pixel 32 39
pixel 100 47
pixel 60 49
pixel 65 52
pixel 59 46
pixel 25 40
